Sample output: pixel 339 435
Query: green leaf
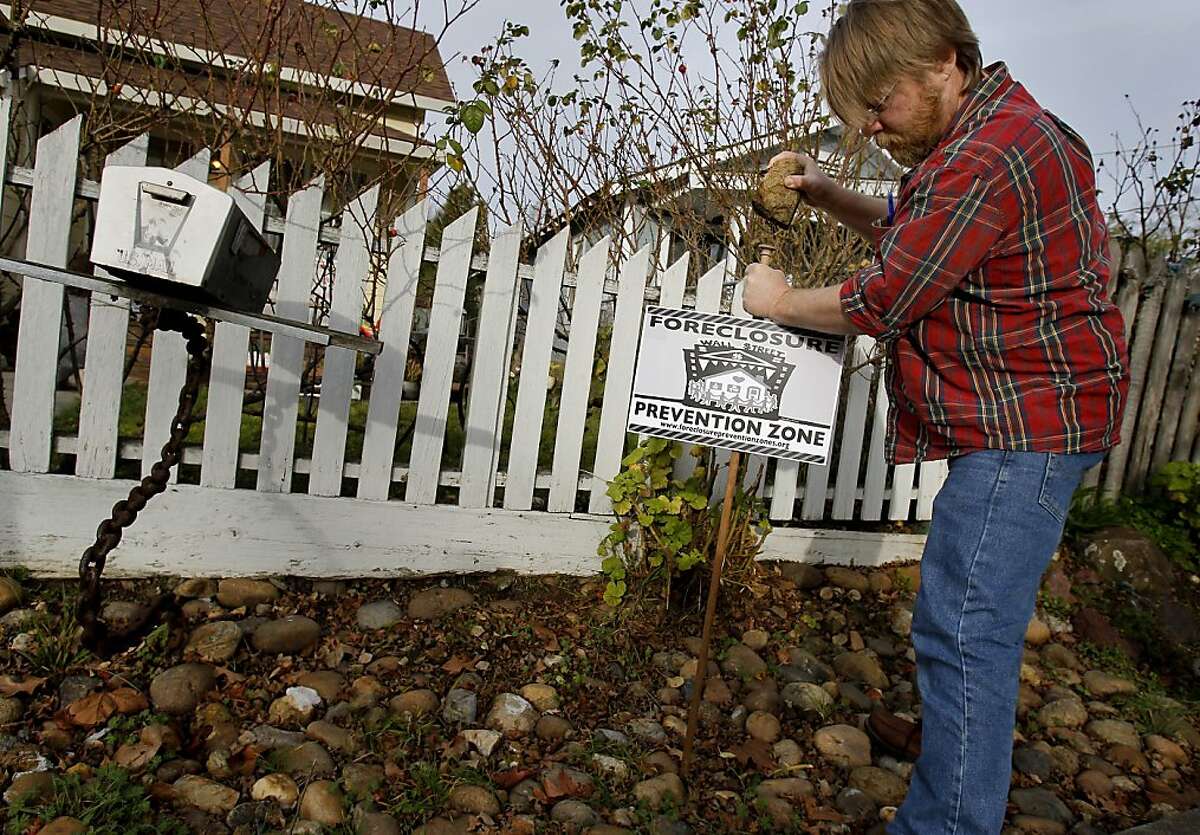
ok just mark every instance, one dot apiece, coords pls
pixel 472 117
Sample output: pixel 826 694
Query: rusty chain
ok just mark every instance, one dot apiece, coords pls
pixel 96 633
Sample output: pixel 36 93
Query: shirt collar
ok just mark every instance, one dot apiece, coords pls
pixel 995 83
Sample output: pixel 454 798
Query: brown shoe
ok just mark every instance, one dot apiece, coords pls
pixel 896 736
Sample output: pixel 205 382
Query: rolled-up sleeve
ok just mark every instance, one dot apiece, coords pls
pixel 946 231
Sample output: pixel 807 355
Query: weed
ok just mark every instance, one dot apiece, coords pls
pixel 424 791
pixel 56 647
pixel 109 804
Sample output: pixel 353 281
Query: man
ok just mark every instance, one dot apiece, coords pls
pixel 1003 355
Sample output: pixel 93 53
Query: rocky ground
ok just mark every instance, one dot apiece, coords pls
pixel 525 705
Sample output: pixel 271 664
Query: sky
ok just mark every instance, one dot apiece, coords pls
pixel 1079 58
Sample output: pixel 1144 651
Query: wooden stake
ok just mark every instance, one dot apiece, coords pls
pixel 765 252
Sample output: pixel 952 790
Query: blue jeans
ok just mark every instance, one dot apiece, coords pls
pixel 996 522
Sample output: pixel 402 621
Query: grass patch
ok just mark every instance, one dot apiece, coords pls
pixel 111 803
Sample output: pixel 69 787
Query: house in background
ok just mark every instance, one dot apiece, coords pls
pixel 288 67
pixel 291 81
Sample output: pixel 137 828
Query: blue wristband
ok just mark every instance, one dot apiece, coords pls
pixel 891 209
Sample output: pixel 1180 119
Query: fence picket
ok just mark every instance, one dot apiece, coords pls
pixel 1158 366
pixel 673 281
pixel 351 267
pixel 231 345
pixel 709 290
pixel 1139 359
pixel 441 350
pixel 1128 300
pixel 544 294
pixel 489 372
pixel 298 258
pixel 876 475
pixel 6 106
pixel 168 362
pixel 39 333
pixel 1185 435
pixel 854 425
pixel 395 330
pixel 933 476
pixel 618 384
pixel 1169 375
pixel 900 501
pixel 104 366
pixel 577 376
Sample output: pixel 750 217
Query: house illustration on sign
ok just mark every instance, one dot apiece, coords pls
pixel 738 379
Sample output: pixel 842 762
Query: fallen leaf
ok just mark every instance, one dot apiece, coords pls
pixel 547 637
pixel 136 756
pixel 510 777
pixel 9 686
pixel 457 664
pixel 92 709
pixel 129 700
pixel 821 813
pixel 561 784
pixel 756 750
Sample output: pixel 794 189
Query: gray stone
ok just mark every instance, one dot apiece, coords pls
pixel 256 815
pixel 1187 823
pixel 74 688
pixel 292 633
pixel 657 791
pixel 271 738
pixel 512 715
pixel 215 642
pixel 323 803
pixel 205 795
pixel 1102 685
pixel 10 594
pixel 179 689
pixel 573 813
pixel 1124 555
pixel 847 578
pixel 436 602
pixel 306 759
pixel 647 730
pixel 743 663
pixel 855 805
pixel 1041 803
pixel 1063 713
pixel 858 700
pixel 473 800
pixel 805 576
pixel 1034 762
pixel 807 697
pixel 859 666
pixel 884 787
pixel 843 745
pixel 1115 732
pixel 381 614
pixel 460 707
pixel 238 592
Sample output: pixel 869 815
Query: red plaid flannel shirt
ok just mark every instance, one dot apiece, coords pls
pixel 989 292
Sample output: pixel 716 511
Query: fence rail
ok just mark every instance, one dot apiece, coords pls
pixel 498 476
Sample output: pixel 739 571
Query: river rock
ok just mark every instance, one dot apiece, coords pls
pixel 292 633
pixel 179 689
pixel 323 803
pixel 382 614
pixel 238 592
pixel 437 602
pixel 278 787
pixel 215 642
pixel 512 715
pixel 843 745
pixel 205 795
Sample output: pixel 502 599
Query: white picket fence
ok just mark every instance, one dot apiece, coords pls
pixel 401 517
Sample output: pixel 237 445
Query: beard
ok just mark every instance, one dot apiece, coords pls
pixel 915 144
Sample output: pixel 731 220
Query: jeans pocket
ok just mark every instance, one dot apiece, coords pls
pixel 1056 487
pixel 1062 476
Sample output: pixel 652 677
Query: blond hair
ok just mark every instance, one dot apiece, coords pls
pixel 877 42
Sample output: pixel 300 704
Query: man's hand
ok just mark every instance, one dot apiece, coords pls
pixel 764 287
pixel 814 186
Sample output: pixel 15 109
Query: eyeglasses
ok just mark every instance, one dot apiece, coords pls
pixel 876 110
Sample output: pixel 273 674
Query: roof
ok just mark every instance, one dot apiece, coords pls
pixel 301 36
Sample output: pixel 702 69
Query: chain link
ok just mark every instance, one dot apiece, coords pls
pixel 88 612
